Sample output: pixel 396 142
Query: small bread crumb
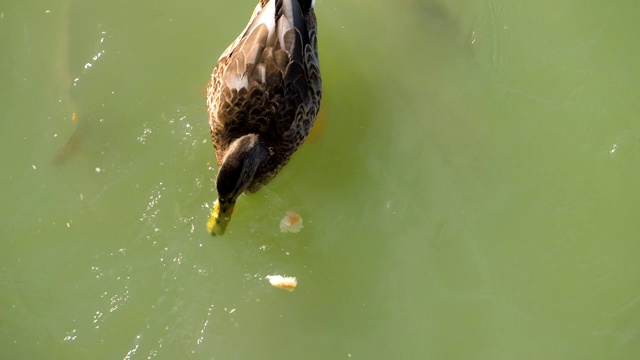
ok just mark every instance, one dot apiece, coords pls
pixel 283 282
pixel 291 222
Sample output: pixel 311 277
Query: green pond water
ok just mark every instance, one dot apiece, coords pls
pixel 470 191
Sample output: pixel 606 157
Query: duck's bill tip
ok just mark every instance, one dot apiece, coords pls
pixel 220 217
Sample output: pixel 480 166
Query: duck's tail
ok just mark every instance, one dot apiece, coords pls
pixel 276 36
pixel 305 5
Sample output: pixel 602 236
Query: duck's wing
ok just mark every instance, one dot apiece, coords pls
pixel 267 74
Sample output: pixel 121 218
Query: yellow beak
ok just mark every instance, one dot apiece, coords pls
pixel 220 217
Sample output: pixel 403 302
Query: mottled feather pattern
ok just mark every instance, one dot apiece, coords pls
pixel 267 82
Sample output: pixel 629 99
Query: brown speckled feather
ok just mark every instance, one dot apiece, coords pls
pixel 267 82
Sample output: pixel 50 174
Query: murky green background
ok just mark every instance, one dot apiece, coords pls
pixel 471 190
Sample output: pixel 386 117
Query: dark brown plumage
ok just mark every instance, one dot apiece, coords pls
pixel 263 99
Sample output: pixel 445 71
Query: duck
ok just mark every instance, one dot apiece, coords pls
pixel 263 98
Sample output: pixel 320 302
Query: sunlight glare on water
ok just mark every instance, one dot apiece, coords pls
pixel 469 190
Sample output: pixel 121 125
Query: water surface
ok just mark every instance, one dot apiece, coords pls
pixel 469 192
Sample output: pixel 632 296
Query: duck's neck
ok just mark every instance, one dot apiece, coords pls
pixel 239 166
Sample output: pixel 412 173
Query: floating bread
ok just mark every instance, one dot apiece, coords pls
pixel 291 222
pixel 283 282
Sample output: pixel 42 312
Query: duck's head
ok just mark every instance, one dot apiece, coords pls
pixel 236 173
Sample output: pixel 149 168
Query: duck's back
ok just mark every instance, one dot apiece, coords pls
pixel 268 83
